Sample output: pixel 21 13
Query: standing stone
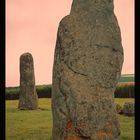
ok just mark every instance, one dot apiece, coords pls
pixel 87 65
pixel 28 98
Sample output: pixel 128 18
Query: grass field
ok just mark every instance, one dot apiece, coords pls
pixel 127 78
pixel 127 75
pixel 37 124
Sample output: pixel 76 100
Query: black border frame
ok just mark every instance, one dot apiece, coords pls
pixel 2 70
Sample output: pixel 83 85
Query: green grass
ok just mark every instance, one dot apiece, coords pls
pixel 37 124
pixel 127 79
pixel 121 101
pixel 127 127
pixel 28 125
pixel 126 123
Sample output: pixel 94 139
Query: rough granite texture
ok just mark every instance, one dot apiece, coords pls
pixel 87 65
pixel 28 96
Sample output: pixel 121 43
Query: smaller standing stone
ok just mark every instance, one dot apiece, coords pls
pixel 28 98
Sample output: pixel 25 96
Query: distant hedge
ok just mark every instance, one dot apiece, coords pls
pixel 12 93
pixel 44 91
pixel 125 91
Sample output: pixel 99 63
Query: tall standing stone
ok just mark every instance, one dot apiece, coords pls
pixel 87 65
pixel 28 98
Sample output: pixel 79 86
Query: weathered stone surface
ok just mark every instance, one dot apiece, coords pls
pixel 87 65
pixel 128 109
pixel 28 97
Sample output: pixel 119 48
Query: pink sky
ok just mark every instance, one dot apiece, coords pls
pixel 31 26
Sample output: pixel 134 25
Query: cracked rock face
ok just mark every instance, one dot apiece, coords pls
pixel 28 96
pixel 87 65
